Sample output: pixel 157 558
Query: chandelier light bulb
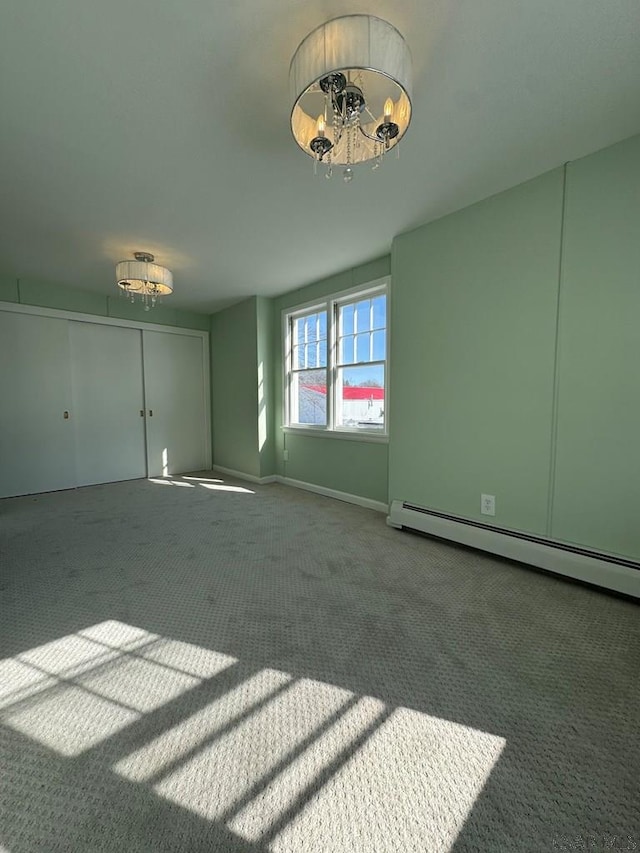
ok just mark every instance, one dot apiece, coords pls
pixel 388 110
pixel 321 126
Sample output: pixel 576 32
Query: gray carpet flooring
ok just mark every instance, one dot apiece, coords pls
pixel 215 666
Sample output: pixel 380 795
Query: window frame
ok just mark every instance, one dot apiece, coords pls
pixel 331 304
pixel 292 370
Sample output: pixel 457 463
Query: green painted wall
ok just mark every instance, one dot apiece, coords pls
pixel 51 295
pixel 234 384
pixel 473 331
pixel 9 289
pixel 265 382
pixel 60 296
pixel 162 314
pixel 355 467
pixel 514 354
pixel 597 483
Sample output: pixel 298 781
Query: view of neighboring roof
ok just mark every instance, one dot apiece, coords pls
pixel 352 392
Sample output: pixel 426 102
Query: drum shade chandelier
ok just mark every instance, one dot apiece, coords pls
pixel 350 81
pixel 144 278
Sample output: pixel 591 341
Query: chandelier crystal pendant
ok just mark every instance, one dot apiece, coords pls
pixel 351 85
pixel 144 278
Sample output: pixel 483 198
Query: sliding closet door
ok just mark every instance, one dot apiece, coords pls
pixel 108 404
pixel 36 439
pixel 175 397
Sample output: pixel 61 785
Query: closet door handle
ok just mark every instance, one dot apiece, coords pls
pixel 150 413
pixel 141 413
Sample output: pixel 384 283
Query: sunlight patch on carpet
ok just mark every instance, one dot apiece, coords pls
pixel 227 769
pixel 223 488
pixel 411 786
pixel 284 762
pixel 280 795
pixel 157 758
pixel 68 719
pixel 74 692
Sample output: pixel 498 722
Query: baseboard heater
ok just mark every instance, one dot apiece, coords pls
pixel 614 573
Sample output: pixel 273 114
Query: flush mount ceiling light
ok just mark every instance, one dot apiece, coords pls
pixel 144 278
pixel 351 85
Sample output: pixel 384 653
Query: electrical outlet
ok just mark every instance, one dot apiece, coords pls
pixel 488 504
pixel 286 455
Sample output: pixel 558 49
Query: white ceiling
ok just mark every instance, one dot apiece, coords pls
pixel 162 125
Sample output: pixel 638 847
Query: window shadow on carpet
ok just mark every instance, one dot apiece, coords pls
pixel 105 728
pixel 284 672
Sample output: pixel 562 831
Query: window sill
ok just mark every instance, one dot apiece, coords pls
pixel 336 433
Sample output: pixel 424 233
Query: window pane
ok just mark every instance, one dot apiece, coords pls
pixel 323 354
pixel 312 350
pixel 323 325
pixel 362 347
pixel 310 323
pixel 363 315
pixel 346 320
pixel 379 312
pixel 360 397
pixel 379 346
pixel 346 350
pixel 298 357
pixel 309 397
pixel 310 328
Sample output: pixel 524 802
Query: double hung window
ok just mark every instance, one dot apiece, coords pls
pixel 308 371
pixel 336 355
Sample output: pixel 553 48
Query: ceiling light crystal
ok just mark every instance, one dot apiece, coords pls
pixel 351 85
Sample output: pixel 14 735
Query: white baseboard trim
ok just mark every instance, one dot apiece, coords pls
pixel 576 563
pixel 240 475
pixel 367 503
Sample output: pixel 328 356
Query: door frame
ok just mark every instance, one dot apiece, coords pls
pixel 57 313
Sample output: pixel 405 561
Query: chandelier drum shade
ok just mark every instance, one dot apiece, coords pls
pixel 351 83
pixel 144 278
